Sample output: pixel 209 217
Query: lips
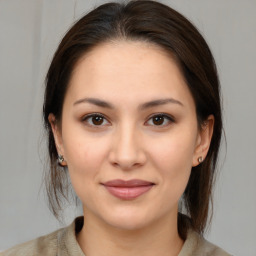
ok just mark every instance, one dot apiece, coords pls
pixel 128 190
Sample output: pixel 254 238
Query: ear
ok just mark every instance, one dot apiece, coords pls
pixel 203 140
pixel 57 136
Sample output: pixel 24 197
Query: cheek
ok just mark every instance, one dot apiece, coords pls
pixel 172 157
pixel 83 148
pixel 84 155
pixel 175 149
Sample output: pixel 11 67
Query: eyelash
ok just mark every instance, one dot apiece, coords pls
pixel 165 116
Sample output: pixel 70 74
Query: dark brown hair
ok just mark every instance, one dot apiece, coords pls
pixel 156 23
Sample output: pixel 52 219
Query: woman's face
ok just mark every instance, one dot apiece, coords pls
pixel 129 134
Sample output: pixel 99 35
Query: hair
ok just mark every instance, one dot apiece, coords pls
pixel 155 23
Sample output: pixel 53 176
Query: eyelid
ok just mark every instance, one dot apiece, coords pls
pixel 84 118
pixel 167 116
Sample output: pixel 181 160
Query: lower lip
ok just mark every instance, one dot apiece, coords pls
pixel 128 193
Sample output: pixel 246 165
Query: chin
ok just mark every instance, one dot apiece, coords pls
pixel 128 224
pixel 128 220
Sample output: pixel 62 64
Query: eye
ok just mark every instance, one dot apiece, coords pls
pixel 160 120
pixel 95 119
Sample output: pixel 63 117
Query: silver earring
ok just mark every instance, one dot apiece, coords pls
pixel 60 159
pixel 200 159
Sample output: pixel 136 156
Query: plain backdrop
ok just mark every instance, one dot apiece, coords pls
pixel 30 31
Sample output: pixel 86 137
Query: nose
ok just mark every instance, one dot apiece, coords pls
pixel 127 151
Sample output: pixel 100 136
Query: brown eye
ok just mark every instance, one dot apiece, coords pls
pixel 160 120
pixel 95 120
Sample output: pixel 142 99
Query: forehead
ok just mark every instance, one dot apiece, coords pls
pixel 128 69
pixel 126 57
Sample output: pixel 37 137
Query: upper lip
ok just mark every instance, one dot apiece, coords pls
pixel 127 183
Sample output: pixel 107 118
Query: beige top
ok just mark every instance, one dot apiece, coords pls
pixel 63 243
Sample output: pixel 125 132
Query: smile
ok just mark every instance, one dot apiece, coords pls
pixel 128 190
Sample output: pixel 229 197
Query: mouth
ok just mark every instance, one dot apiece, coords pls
pixel 128 190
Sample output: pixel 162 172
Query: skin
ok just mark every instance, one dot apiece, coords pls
pixel 129 144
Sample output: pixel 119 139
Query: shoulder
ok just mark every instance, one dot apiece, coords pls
pixel 207 248
pixel 199 246
pixel 44 245
pixel 60 242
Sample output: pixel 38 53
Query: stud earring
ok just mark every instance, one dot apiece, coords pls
pixel 60 159
pixel 200 159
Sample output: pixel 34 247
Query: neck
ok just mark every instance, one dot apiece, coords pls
pixel 99 239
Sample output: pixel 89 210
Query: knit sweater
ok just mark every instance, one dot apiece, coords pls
pixel 63 243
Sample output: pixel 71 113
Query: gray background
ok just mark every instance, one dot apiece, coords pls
pixel 29 33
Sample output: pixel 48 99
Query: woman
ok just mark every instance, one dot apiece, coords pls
pixel 133 114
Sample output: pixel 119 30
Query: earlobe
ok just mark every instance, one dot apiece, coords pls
pixel 205 138
pixel 57 138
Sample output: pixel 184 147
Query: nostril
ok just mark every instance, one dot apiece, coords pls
pixel 126 153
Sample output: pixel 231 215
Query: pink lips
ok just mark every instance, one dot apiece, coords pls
pixel 129 189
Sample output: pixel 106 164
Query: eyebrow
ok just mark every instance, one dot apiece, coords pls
pixel 143 106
